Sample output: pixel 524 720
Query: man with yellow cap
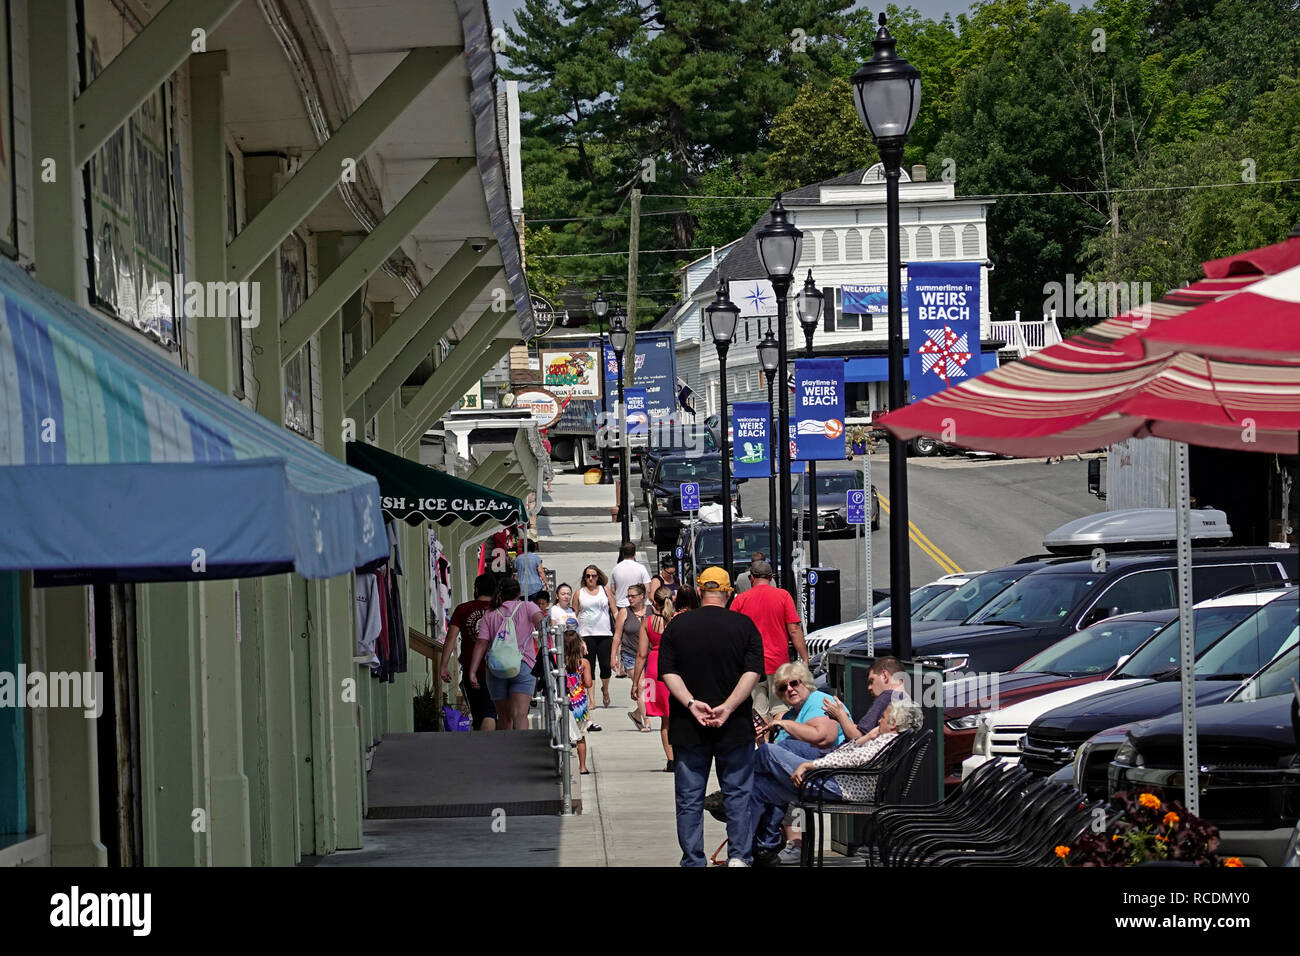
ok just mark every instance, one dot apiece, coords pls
pixel 710 660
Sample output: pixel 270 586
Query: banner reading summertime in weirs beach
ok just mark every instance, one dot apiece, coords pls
pixel 750 445
pixel 818 410
pixel 943 301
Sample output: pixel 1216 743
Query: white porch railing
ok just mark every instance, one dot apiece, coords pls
pixel 1025 338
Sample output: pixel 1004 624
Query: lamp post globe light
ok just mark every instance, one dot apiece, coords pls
pixel 722 315
pixel 808 306
pixel 779 248
pixel 887 94
pixel 618 341
pixel 769 358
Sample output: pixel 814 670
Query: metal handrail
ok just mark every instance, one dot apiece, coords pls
pixel 555 709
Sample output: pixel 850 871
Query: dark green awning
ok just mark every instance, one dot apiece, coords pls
pixel 412 492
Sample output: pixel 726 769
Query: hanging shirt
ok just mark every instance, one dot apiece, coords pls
pixel 369 617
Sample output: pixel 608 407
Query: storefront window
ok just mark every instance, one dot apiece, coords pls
pixel 297 371
pixel 132 199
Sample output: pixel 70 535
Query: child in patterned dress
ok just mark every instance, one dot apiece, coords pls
pixel 578 681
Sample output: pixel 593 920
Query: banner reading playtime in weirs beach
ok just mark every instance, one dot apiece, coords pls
pixel 818 410
pixel 750 447
pixel 943 325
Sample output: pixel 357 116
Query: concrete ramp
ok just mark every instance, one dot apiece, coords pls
pixel 463 775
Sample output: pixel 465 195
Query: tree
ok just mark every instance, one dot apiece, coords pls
pixel 818 136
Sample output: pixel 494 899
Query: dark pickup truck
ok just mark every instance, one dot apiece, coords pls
pixel 664 494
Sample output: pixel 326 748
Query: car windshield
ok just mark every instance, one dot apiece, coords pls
pixel 1273 680
pixel 1037 599
pixel 1161 653
pixel 833 484
pixel 1254 642
pixel 691 469
pixel 921 599
pixel 745 541
pixel 960 603
pixel 1094 650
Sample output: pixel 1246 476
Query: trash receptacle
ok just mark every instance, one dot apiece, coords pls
pixel 847 678
pixel 821 597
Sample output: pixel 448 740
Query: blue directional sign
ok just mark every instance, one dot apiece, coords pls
pixel 678 552
pixel 690 496
pixel 857 506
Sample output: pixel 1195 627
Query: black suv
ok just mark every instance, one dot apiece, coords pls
pixel 746 538
pixel 1069 594
pixel 665 501
pixel 1247 749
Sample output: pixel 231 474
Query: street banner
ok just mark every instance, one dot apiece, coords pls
pixel 654 368
pixel 753 296
pixel 571 373
pixel 638 420
pixel 751 445
pixel 943 325
pixel 818 410
pixel 870 298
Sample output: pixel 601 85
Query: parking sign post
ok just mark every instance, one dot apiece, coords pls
pixel 855 508
pixel 866 550
pixel 690 494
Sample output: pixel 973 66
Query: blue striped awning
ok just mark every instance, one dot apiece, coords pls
pixel 118 465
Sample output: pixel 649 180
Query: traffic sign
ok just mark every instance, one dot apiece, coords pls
pixel 690 496
pixel 857 506
pixel 678 552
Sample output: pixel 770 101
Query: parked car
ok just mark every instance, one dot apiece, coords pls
pixel 950 609
pixel 1084 657
pixel 1248 748
pixel 747 536
pixel 1053 739
pixel 832 500
pixel 921 598
pixel 1069 594
pixel 689 440
pixel 665 506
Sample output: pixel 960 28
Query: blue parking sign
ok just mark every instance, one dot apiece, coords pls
pixel 690 496
pixel 857 506
pixel 678 552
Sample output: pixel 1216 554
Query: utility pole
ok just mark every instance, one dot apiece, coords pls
pixel 629 365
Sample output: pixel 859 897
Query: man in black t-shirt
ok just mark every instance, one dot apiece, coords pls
pixel 710 659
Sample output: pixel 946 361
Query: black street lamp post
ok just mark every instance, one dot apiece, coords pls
pixel 768 356
pixel 618 341
pixel 600 308
pixel 779 248
pixel 887 93
pixel 808 304
pixel 722 314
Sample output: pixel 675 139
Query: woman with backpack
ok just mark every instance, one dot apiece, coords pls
pixel 505 638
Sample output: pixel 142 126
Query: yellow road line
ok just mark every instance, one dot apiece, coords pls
pixel 947 564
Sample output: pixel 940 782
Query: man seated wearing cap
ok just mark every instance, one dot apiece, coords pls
pixel 773 612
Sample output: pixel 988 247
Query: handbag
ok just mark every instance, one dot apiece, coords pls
pixel 454 720
pixel 504 659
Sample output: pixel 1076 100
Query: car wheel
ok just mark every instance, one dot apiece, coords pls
pixel 924 447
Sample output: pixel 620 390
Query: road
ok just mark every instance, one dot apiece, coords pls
pixel 967 514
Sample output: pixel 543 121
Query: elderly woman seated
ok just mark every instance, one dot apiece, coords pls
pixel 804 729
pixel 779 772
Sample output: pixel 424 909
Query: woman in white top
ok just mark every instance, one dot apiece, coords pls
pixel 593 602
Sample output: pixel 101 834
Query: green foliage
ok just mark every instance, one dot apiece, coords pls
pixel 818 136
pixel 1082 121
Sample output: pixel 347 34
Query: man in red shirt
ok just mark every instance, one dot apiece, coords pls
pixel 772 610
pixel 464 623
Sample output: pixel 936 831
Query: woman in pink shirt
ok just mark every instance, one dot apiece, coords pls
pixel 510 695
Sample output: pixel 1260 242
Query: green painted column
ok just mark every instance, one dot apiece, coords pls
pixel 222 686
pixel 61 626
pixel 340 614
pixel 272 752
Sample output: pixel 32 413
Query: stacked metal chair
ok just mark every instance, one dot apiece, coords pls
pixel 1001 815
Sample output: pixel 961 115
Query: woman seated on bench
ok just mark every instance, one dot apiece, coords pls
pixel 778 774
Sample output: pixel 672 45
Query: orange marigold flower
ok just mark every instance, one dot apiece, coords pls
pixel 1171 819
pixel 1150 801
pixel 1062 851
pixel 1233 861
pixel 1114 838
pixel 1162 839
